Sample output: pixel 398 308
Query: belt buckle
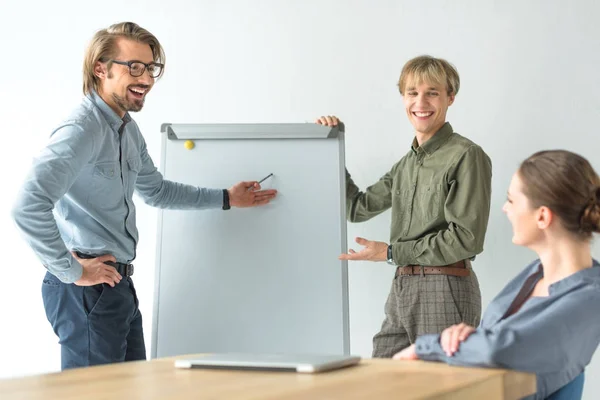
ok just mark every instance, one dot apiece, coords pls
pixel 129 269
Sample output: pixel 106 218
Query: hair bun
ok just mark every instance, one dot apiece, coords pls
pixel 590 217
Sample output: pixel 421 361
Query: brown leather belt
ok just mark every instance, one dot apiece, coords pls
pixel 457 269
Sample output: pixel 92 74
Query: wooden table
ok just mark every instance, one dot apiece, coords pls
pixel 371 379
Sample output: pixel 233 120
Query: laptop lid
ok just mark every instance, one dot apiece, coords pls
pixel 306 363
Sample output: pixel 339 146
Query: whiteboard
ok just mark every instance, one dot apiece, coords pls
pixel 264 279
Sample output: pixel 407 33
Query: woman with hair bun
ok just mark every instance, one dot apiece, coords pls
pixel 547 319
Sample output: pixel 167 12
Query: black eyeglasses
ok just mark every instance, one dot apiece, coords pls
pixel 137 68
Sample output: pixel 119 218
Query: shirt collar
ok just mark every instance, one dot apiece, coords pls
pixel 588 274
pixel 435 142
pixel 109 114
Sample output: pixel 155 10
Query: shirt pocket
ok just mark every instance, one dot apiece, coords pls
pixel 106 191
pixel 429 202
pixel 106 170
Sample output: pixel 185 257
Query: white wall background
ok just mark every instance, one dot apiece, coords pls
pixel 529 81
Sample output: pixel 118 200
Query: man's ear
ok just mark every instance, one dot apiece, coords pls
pixel 100 70
pixel 450 99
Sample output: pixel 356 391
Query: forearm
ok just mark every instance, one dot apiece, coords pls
pixel 172 195
pixel 521 346
pixel 473 352
pixel 33 216
pixel 440 248
pixel 158 192
pixel 362 206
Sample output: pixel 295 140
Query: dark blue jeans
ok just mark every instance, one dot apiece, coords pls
pixel 94 324
pixel 571 391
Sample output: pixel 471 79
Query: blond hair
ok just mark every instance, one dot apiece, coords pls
pixel 102 48
pixel 430 70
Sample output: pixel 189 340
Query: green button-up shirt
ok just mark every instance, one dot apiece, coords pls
pixel 440 198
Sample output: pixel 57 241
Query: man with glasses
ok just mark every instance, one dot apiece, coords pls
pixel 76 206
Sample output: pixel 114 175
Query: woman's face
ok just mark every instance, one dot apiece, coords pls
pixel 523 218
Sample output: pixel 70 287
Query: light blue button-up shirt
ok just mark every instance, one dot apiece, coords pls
pixel 78 194
pixel 554 337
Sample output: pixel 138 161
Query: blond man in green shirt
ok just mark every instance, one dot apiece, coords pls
pixel 439 193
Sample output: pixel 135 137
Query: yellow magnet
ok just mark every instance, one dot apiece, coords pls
pixel 189 144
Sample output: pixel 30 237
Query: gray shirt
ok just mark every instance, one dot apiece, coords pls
pixel 78 194
pixel 554 337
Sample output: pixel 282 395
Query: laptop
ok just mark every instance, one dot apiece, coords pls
pixel 305 363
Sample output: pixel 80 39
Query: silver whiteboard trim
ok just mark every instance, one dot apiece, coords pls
pixel 250 131
pixel 158 261
pixel 344 244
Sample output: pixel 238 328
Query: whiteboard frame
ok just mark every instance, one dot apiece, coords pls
pixel 254 131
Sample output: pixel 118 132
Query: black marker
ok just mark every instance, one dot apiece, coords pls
pixel 265 178
pixel 261 181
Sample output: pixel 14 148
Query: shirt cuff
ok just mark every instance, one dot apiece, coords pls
pixel 69 274
pixel 213 197
pixel 428 348
pixel 402 253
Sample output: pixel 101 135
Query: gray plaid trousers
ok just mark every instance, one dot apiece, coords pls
pixel 421 304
